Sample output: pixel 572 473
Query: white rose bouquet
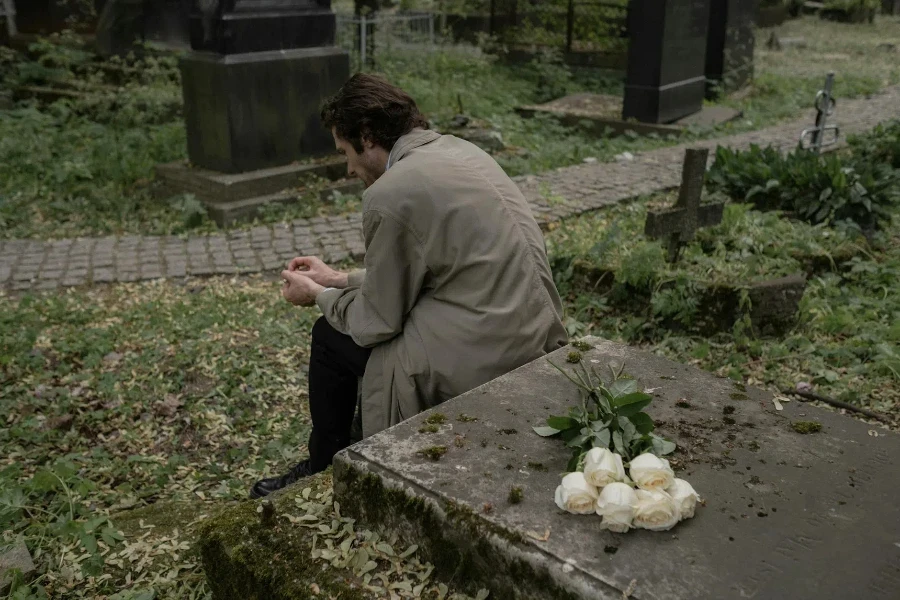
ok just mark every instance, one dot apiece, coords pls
pixel 608 429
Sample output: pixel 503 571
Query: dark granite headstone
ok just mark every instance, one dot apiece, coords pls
pixel 729 46
pixel 237 26
pixel 253 88
pixel 666 57
pixel 260 109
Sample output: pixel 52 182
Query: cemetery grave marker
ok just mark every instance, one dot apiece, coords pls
pixel 252 91
pixel 814 138
pixel 729 47
pixel 680 224
pixel 666 77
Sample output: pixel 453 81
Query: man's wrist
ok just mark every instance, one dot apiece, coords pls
pixel 340 281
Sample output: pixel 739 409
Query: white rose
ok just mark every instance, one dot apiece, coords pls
pixel 576 495
pixel 685 497
pixel 650 472
pixel 602 467
pixel 655 510
pixel 616 506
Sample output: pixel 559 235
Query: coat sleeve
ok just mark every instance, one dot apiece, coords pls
pixel 374 312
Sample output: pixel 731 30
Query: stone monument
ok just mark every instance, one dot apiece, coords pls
pixel 666 77
pixel 254 83
pixel 729 46
pixel 680 224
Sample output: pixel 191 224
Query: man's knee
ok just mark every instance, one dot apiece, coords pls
pixel 322 331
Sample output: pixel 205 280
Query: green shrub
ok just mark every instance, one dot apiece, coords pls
pixel 881 145
pixel 817 189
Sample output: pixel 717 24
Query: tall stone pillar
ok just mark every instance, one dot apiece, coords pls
pixel 255 79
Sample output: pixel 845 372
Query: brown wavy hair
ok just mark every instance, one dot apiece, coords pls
pixel 370 107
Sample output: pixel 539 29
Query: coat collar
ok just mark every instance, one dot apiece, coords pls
pixel 412 140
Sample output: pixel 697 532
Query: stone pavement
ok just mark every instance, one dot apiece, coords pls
pixel 565 192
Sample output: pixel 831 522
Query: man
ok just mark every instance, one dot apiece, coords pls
pixel 457 288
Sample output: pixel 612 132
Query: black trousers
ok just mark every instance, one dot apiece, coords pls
pixel 335 366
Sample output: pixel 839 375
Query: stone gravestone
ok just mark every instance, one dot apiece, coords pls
pixel 680 224
pixel 729 46
pixel 785 514
pixel 255 81
pixel 890 7
pixel 666 79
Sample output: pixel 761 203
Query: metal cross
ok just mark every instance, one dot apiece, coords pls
pixel 681 223
pixel 825 104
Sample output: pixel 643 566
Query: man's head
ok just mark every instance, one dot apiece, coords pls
pixel 366 117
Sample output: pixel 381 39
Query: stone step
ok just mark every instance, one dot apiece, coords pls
pixel 234 211
pixel 213 186
pixel 781 508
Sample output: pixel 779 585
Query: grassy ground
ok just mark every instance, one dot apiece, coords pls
pixel 85 167
pixel 123 396
pixel 846 341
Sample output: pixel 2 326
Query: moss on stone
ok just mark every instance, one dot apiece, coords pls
pixel 581 345
pixel 434 452
pixel 456 542
pixel 244 559
pixel 739 396
pixel 806 426
pixel 437 419
pixel 429 428
pixel 463 417
pixel 515 495
pixel 536 466
pixel 573 357
pixel 727 409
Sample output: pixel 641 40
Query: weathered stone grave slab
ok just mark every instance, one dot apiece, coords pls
pixel 604 115
pixel 786 515
pixel 15 562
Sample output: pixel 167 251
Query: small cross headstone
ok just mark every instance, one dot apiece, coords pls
pixel 814 138
pixel 681 223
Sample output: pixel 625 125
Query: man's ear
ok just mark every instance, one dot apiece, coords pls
pixel 366 138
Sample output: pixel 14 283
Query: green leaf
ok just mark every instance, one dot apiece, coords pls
pixel 629 431
pixel 633 407
pixel 545 431
pixel 633 397
pixel 661 446
pixel 578 441
pixel 619 443
pixel 89 543
pixel 642 422
pixel 623 387
pixel 601 439
pixel 572 466
pixel 562 423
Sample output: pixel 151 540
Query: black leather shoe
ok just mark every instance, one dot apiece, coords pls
pixel 264 487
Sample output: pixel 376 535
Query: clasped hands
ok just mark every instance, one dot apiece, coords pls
pixel 306 277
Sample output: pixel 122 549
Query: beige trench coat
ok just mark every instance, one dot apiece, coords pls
pixel 457 288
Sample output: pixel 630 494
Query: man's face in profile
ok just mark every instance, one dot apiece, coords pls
pixel 367 165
